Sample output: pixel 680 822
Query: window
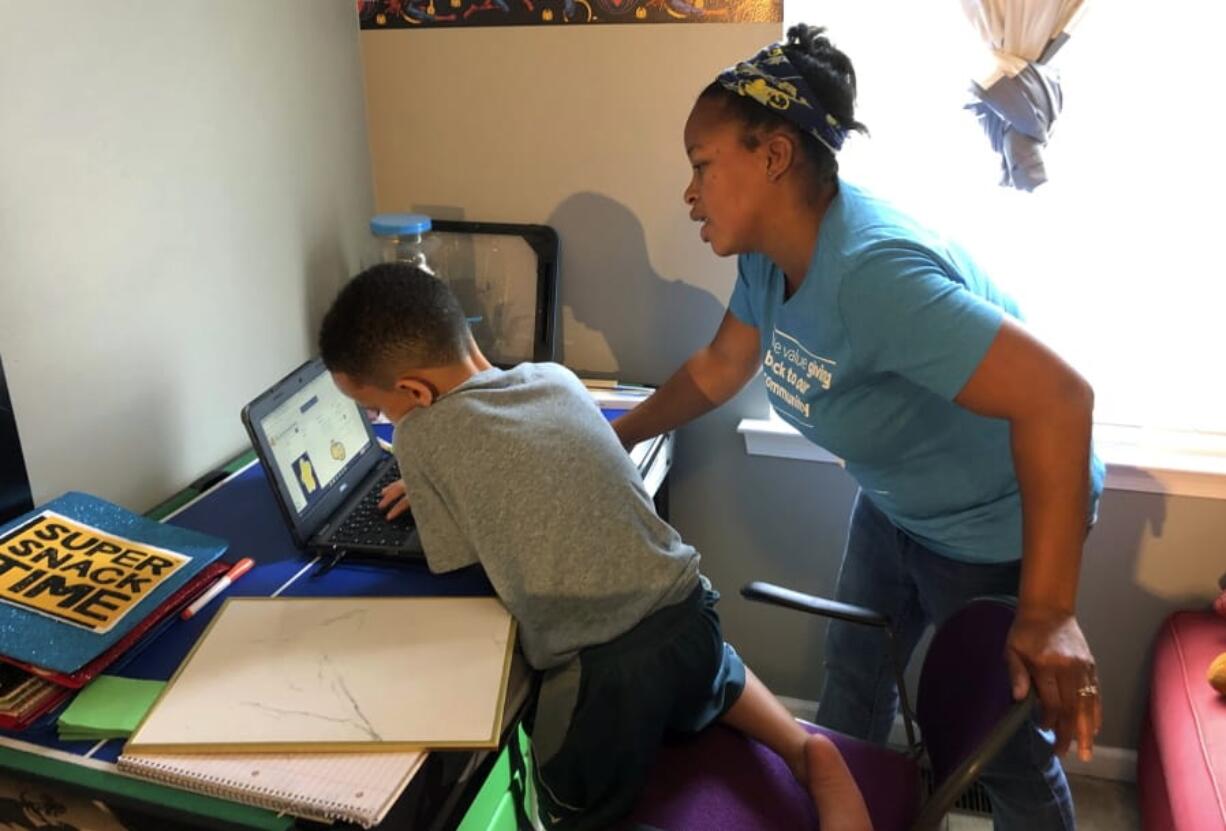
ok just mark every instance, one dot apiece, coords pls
pixel 1113 259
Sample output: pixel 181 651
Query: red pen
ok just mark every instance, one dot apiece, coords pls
pixel 236 571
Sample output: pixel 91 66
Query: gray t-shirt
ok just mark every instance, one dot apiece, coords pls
pixel 519 471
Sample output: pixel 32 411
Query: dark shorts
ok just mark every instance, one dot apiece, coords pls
pixel 599 719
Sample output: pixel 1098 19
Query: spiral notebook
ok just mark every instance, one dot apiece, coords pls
pixel 326 787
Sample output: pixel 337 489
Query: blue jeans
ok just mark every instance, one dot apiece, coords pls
pixel 887 571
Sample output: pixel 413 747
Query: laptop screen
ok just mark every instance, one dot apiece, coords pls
pixel 314 435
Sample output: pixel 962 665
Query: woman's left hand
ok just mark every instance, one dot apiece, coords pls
pixel 1047 649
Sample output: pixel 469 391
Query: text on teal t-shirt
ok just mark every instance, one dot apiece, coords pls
pixel 865 359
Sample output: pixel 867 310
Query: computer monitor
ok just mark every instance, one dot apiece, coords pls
pixel 15 496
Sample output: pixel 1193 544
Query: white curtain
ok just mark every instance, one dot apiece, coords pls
pixel 1018 96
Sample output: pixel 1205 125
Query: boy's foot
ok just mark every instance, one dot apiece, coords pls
pixel 840 805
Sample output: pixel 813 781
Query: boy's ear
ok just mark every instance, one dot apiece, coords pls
pixel 423 392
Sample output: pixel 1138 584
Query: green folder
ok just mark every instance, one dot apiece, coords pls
pixel 109 707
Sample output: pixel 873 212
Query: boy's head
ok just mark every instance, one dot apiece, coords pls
pixel 395 338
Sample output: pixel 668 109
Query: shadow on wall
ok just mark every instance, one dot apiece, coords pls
pixel 619 315
pixel 1120 606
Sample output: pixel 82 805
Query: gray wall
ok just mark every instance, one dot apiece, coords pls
pixel 576 127
pixel 580 128
pixel 182 187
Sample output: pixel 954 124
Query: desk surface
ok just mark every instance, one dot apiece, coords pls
pixel 242 511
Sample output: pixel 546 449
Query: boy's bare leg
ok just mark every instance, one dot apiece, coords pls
pixel 812 758
pixel 840 805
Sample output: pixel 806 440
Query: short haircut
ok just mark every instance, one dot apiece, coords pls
pixel 389 319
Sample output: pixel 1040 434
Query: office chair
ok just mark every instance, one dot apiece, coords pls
pixel 720 780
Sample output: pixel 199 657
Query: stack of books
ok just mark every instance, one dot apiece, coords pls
pixel 84 584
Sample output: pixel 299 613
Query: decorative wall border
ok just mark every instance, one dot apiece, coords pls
pixel 436 14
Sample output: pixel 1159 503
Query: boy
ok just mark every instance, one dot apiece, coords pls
pixel 518 470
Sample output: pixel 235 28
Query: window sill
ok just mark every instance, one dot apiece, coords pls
pixel 1138 459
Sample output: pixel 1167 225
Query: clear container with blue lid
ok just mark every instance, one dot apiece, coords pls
pixel 405 238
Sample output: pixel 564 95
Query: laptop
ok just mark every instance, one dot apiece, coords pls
pixel 327 468
pixel 322 458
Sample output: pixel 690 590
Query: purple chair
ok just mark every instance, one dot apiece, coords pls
pixel 719 780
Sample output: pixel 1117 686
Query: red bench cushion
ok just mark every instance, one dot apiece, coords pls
pixel 1182 761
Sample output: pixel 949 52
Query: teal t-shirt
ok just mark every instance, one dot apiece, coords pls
pixel 865 359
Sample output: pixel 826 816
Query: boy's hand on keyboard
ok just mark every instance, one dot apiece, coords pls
pixel 393 502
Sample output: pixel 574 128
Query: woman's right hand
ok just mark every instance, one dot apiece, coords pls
pixel 394 500
pixel 710 377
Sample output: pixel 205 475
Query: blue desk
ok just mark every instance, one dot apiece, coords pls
pixel 241 510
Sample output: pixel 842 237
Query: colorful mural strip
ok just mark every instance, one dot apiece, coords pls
pixel 431 14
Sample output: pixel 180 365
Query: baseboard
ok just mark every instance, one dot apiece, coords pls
pixel 1117 764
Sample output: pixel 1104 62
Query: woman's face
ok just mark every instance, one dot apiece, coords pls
pixel 728 182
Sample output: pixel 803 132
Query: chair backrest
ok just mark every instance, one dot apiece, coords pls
pixel 965 704
pixel 14 485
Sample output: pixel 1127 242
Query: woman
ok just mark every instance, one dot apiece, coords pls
pixel 969 439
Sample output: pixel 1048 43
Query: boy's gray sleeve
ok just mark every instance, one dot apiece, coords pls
pixel 445 545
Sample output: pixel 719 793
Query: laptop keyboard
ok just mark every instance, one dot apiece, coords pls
pixel 367 525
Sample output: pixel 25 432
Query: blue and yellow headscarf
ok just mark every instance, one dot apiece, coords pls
pixel 770 79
